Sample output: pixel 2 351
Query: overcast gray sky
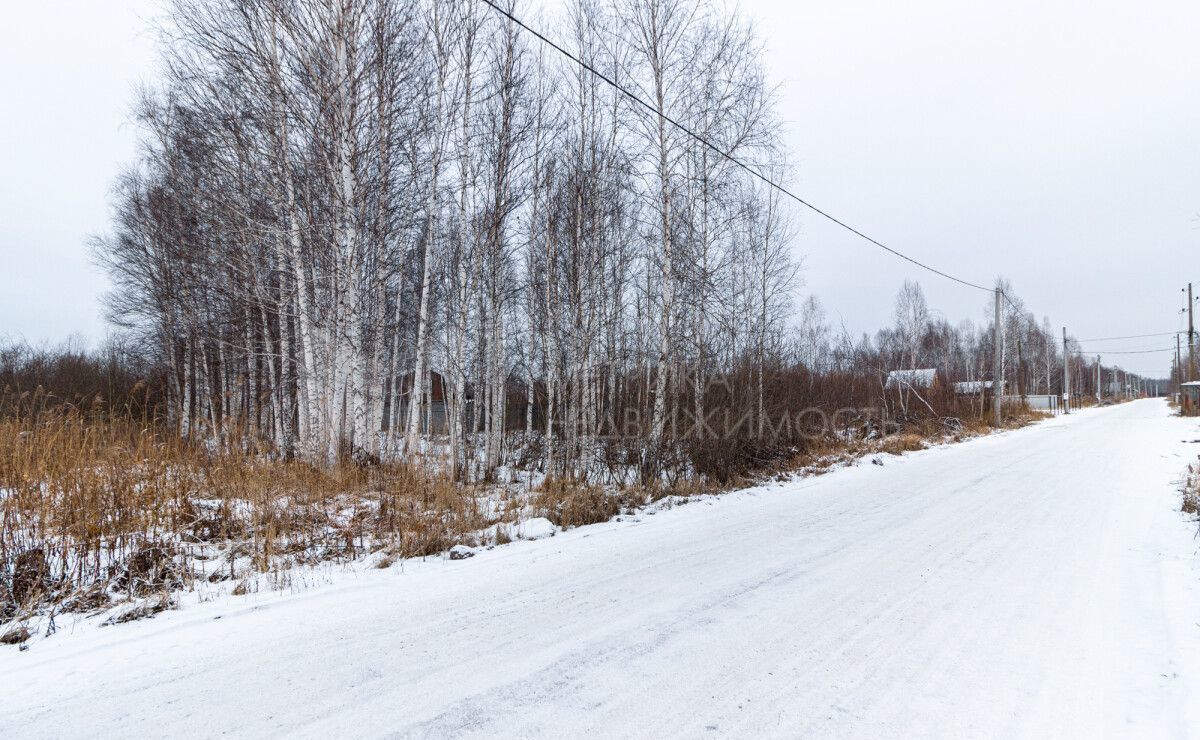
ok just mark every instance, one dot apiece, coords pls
pixel 68 71
pixel 1056 143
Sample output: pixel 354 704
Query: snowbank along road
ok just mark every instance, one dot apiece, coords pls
pixel 1036 583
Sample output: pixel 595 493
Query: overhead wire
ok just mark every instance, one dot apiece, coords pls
pixel 771 183
pixel 1133 336
pixel 705 141
pixel 1123 352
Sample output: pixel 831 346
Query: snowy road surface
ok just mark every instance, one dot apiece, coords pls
pixel 1037 583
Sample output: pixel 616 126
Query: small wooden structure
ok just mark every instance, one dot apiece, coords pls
pixel 973 388
pixel 1189 398
pixel 923 379
pixel 907 385
pixel 977 393
pixel 435 419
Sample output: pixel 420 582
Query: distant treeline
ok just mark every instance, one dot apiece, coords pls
pixel 115 378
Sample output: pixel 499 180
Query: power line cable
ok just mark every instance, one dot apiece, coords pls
pixel 771 183
pixel 632 96
pixel 1124 352
pixel 1133 336
pixel 1101 339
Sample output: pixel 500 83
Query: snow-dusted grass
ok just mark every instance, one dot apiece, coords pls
pixel 1191 490
pixel 94 513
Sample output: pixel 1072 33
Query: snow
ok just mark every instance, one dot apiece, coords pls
pixel 921 378
pixel 1034 583
pixel 969 387
pixel 536 528
pixel 533 529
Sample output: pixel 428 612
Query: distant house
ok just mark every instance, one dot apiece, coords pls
pixel 973 387
pixel 922 379
pixel 434 419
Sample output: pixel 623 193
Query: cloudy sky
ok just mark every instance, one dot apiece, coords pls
pixel 68 72
pixel 1056 143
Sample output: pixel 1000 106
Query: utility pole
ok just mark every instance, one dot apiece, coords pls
pixel 1178 363
pixel 1191 339
pixel 997 350
pixel 1020 371
pixel 1066 375
pixel 1097 379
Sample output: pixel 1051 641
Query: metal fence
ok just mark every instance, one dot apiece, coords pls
pixel 1043 402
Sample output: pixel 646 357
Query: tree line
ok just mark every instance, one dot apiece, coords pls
pixel 389 228
pixel 340 205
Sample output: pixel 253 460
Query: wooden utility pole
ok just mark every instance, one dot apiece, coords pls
pixel 1178 362
pixel 1020 371
pixel 1066 374
pixel 997 350
pixel 1191 339
pixel 1097 379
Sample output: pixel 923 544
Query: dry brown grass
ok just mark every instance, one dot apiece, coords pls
pixel 96 506
pixel 92 507
pixel 1191 490
pixel 897 444
pixel 572 504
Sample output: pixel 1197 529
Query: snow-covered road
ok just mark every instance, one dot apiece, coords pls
pixel 1037 583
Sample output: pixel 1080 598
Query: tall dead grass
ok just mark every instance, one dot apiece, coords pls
pixel 1191 490
pixel 96 505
